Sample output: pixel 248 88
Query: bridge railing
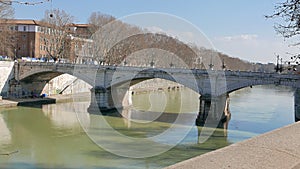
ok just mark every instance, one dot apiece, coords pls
pixel 227 73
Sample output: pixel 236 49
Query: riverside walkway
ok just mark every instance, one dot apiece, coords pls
pixel 278 149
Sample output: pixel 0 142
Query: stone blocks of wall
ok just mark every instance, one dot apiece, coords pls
pixel 6 69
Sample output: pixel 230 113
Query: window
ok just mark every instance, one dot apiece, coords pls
pixel 16 28
pixel 24 28
pixel 24 37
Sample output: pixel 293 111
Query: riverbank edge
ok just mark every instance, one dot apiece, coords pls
pixel 7 103
pixel 279 148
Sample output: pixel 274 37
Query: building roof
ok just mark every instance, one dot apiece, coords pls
pixel 34 22
pixel 81 25
pixel 22 22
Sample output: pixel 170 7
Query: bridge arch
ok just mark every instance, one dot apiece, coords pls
pixel 231 87
pixel 116 90
pixel 33 77
pixel 120 79
pixel 45 75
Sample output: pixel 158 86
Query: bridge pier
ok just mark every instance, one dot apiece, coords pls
pixel 297 104
pixel 101 99
pixel 213 109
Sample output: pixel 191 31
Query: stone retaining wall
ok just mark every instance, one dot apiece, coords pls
pixel 66 84
pixel 6 69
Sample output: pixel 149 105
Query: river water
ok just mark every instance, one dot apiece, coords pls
pixel 63 135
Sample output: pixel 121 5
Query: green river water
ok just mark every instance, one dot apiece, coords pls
pixel 64 135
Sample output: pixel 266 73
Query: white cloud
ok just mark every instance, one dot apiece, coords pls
pixel 253 48
pixel 155 29
pixel 239 37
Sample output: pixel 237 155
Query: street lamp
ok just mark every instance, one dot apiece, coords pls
pixel 278 67
pixel 223 65
pixel 152 63
pixel 15 57
pixel 211 65
pixel 197 63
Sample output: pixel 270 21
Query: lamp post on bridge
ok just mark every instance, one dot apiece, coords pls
pixel 279 64
pixel 223 65
pixel 279 67
pixel 15 54
pixel 198 62
pixel 211 65
pixel 152 61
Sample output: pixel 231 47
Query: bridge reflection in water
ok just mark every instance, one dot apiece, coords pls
pixel 132 122
pixel 180 107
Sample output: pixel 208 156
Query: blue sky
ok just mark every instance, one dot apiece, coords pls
pixel 235 27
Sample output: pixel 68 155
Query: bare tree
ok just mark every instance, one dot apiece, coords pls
pixel 106 32
pixel 289 13
pixel 97 20
pixel 57 33
pixel 7 39
pixel 6 11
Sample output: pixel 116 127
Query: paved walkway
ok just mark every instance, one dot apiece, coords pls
pixel 278 149
pixel 51 99
pixel 8 103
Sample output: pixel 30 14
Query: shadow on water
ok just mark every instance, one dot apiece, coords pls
pixel 150 116
pixel 36 103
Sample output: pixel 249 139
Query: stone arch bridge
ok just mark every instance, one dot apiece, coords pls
pixel 213 86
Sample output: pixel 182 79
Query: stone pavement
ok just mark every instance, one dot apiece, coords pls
pixel 8 103
pixel 278 149
pixel 48 100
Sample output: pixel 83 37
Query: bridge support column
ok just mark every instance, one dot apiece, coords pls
pixel 297 104
pixel 213 110
pixel 101 99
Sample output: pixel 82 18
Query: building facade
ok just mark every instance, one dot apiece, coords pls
pixel 36 39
